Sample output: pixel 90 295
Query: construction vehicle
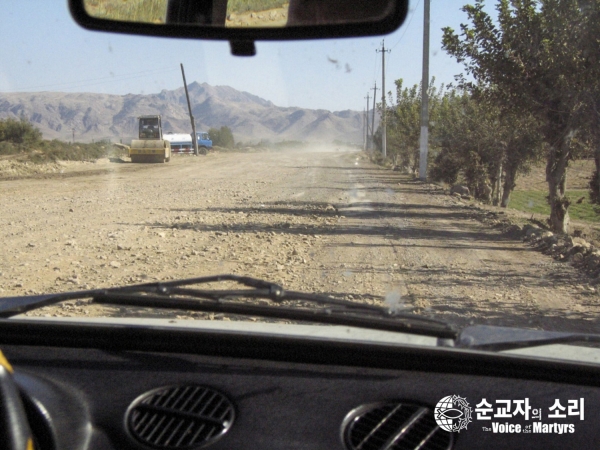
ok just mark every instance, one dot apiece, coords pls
pixel 150 147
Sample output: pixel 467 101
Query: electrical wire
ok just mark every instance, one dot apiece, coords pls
pixel 376 68
pixel 99 80
pixel 407 25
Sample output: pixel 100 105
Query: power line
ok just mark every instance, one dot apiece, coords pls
pixel 376 68
pixel 407 25
pixel 99 80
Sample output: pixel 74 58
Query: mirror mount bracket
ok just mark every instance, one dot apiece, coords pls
pixel 242 48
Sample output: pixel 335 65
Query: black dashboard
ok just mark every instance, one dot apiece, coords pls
pixel 80 385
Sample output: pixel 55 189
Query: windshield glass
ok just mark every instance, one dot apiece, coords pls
pixel 325 173
pixel 149 128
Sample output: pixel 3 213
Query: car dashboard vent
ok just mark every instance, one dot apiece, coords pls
pixel 179 417
pixel 394 426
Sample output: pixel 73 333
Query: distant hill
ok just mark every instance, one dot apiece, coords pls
pixel 251 118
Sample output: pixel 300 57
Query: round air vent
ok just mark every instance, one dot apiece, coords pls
pixel 179 417
pixel 394 426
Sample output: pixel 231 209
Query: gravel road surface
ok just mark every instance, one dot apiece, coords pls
pixel 328 222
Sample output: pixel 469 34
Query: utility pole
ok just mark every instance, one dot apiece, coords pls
pixel 424 147
pixel 367 124
pixel 73 135
pixel 383 110
pixel 194 136
pixel 373 122
pixel 365 129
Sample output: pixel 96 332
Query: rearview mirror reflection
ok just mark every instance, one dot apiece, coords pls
pixel 242 13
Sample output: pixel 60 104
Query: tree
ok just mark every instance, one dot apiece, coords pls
pixel 533 62
pixel 592 89
pixel 467 132
pixel 487 145
pixel 404 126
pixel 222 137
pixel 404 122
pixel 522 145
pixel 19 131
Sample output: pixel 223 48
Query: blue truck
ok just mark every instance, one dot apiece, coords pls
pixel 182 143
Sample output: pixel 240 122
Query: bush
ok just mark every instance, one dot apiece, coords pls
pixel 19 137
pixel 222 137
pixel 19 131
pixel 8 148
pixel 446 167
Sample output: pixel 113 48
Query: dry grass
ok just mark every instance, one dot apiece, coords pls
pixel 578 175
pixel 241 6
pixel 529 198
pixel 155 11
pixel 147 11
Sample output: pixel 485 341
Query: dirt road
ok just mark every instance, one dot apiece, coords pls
pixel 325 222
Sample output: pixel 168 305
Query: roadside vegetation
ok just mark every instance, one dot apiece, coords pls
pixel 21 140
pixel 155 11
pixel 221 137
pixel 531 99
pixel 242 6
pixel 147 11
pixel 536 202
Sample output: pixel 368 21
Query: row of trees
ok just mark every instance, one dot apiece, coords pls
pixel 533 94
pixel 471 138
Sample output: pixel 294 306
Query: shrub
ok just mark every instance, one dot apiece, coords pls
pixel 446 167
pixel 19 131
pixel 8 148
pixel 222 137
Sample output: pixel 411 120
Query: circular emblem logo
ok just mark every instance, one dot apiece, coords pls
pixel 453 413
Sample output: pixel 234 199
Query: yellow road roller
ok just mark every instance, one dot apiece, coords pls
pixel 150 147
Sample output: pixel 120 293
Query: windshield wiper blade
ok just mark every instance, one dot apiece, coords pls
pixel 497 339
pixel 11 306
pixel 176 295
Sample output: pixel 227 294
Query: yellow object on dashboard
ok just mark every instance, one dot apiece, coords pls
pixel 4 362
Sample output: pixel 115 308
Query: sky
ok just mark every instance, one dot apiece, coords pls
pixel 43 49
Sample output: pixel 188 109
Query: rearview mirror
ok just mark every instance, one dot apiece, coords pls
pixel 242 20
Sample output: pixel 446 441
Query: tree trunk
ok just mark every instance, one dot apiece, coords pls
pixel 597 161
pixel 595 179
pixel 510 182
pixel 499 177
pixel 494 185
pixel 415 164
pixel 556 176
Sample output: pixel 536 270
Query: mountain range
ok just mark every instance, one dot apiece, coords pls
pixel 90 116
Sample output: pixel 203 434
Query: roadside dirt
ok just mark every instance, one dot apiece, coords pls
pixel 12 168
pixel 319 222
pixel 276 17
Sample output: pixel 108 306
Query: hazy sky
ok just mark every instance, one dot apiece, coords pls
pixel 44 50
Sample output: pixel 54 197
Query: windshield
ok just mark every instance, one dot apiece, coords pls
pixel 325 174
pixel 149 128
